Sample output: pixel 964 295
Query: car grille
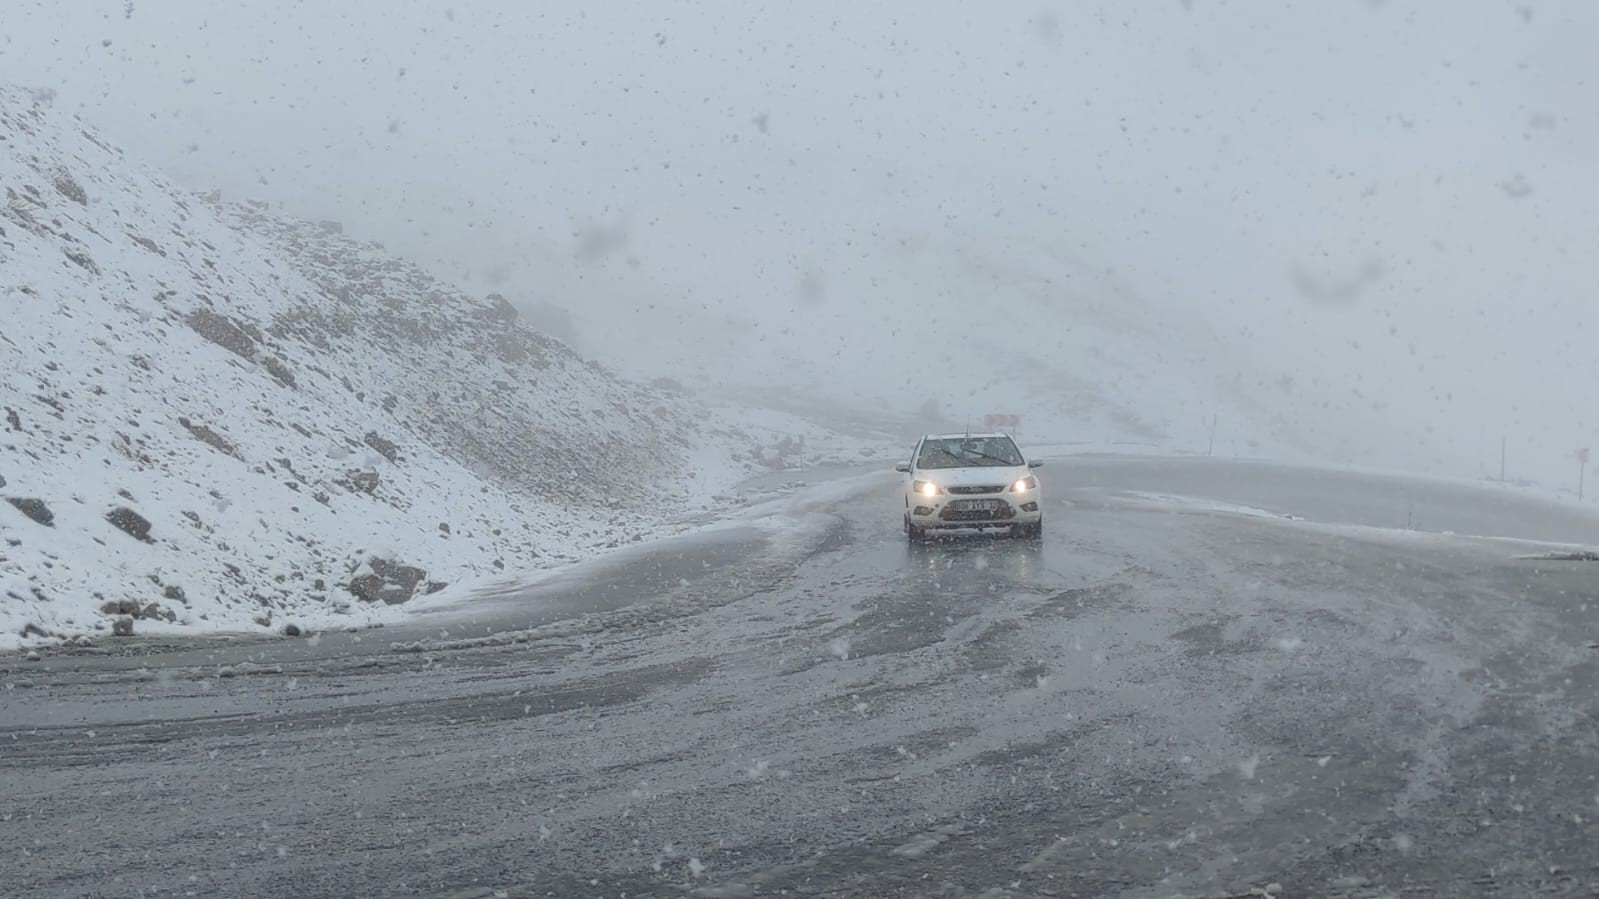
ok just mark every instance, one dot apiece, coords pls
pixel 967 491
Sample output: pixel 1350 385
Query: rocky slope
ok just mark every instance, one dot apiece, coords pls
pixel 215 417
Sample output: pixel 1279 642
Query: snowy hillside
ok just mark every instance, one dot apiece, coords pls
pixel 217 418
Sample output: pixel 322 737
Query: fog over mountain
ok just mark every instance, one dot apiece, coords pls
pixel 1378 251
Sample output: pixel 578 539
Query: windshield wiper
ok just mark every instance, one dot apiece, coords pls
pixel 1005 462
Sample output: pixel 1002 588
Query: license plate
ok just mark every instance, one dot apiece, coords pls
pixel 975 505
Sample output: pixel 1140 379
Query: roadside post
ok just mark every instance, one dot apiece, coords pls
pixel 1582 470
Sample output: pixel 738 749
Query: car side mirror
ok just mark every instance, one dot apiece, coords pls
pixel 903 466
pixel 1036 463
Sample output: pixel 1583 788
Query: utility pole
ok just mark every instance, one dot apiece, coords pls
pixel 1211 448
pixel 1582 470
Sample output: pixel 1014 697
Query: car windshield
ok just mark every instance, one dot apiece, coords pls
pixel 968 452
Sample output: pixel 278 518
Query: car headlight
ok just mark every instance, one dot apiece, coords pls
pixel 1023 485
pixel 925 488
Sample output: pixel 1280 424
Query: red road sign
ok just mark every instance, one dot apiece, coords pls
pixel 1011 422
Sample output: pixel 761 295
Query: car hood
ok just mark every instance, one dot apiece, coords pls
pixel 972 477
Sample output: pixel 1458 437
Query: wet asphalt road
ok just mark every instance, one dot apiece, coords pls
pixel 1164 697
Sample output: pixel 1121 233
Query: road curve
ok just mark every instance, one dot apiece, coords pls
pixel 1209 678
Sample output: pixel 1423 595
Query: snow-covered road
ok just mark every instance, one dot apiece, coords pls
pixel 1210 677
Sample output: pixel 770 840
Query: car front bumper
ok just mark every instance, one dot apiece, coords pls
pixel 944 511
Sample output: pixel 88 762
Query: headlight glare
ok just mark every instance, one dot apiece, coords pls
pixel 926 488
pixel 1023 485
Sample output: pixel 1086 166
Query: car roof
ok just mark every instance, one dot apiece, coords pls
pixel 963 436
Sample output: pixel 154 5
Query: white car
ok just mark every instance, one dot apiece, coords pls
pixel 969 481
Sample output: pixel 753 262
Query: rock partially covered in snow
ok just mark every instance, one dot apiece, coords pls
pixel 33 508
pixel 386 581
pixel 130 522
pixel 132 609
pixel 359 481
pixel 224 332
pixel 385 448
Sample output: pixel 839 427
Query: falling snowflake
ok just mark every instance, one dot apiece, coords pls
pixel 1247 766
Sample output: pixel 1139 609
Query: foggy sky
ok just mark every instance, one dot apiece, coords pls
pixel 1385 210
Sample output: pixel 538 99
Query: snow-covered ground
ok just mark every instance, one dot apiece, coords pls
pixel 216 418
